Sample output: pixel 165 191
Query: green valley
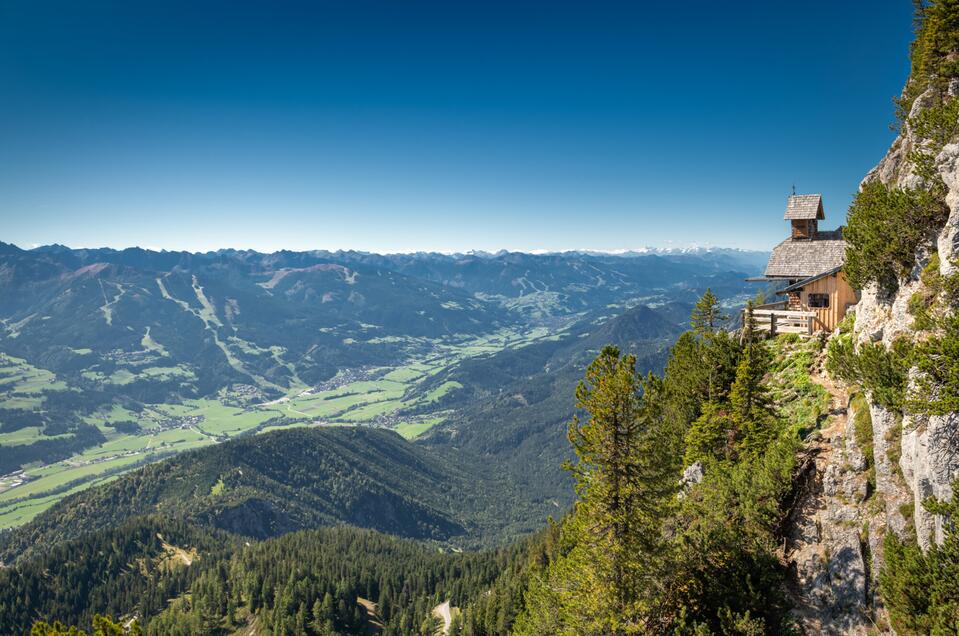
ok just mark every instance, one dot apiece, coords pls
pixel 388 397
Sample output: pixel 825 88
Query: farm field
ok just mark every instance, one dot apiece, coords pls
pixel 26 435
pixel 366 397
pixel 413 429
pixel 22 384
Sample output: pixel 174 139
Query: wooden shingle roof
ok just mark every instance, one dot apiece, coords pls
pixel 804 206
pixel 802 258
pixel 805 281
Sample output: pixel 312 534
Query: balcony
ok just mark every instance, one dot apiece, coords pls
pixel 775 318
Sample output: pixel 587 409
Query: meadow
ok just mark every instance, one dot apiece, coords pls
pixel 22 384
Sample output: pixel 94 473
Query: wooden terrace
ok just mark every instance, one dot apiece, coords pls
pixel 776 318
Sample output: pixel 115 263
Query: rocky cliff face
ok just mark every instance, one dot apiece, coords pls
pixel 927 447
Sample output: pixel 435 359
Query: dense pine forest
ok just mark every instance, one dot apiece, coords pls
pixel 644 551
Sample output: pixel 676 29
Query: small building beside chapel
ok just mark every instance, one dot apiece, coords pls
pixel 810 262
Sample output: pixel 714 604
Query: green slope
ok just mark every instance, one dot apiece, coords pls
pixel 279 482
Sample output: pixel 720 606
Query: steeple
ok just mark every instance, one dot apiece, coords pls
pixel 804 211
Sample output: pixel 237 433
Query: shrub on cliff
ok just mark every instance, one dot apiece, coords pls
pixel 921 590
pixel 886 225
pixel 933 51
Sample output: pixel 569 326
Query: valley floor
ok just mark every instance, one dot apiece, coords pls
pixel 401 398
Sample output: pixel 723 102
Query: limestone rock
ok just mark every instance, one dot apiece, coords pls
pixel 928 446
pixel 948 243
pixel 693 474
pixel 930 463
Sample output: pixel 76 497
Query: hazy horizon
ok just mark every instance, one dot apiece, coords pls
pixel 645 249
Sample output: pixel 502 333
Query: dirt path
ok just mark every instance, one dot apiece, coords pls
pixel 373 620
pixel 290 409
pixel 251 628
pixel 828 582
pixel 442 612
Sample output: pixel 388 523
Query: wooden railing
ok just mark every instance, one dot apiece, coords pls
pixel 784 321
pixel 779 304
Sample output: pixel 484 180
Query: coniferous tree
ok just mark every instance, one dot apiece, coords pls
pixel 921 589
pixel 686 379
pixel 711 436
pixel 707 314
pixel 102 626
pixel 606 582
pixel 748 397
pixel 719 351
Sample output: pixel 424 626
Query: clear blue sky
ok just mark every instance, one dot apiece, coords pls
pixel 397 126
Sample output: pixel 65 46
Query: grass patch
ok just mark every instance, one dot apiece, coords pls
pixel 371 411
pixel 27 435
pixel 121 377
pixel 412 430
pixel 115 413
pixel 149 344
pixel 18 377
pixel 61 474
pixel 799 401
pixel 167 373
pixel 862 429
pixel 283 427
pixel 404 374
pixel 22 403
pixel 440 391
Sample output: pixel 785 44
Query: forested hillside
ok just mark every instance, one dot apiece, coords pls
pixel 304 582
pixel 132 567
pixel 516 403
pixel 271 484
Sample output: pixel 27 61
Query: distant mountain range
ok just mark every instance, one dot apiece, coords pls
pixel 220 313
pixel 688 249
pixel 110 359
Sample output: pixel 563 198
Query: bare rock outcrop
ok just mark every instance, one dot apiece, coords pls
pixel 927 447
pixel 930 463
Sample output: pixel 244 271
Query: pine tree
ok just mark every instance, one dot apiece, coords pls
pixel 102 626
pixel 719 351
pixel 456 625
pixel 711 436
pixel 921 589
pixel 707 314
pixel 230 611
pixel 317 617
pixel 624 474
pixel 748 396
pixel 300 620
pixel 687 379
